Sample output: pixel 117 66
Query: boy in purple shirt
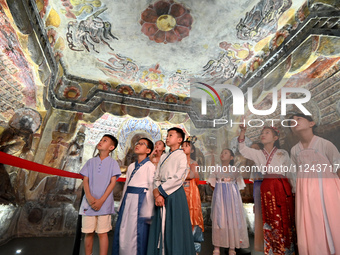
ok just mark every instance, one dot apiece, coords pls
pixel 100 175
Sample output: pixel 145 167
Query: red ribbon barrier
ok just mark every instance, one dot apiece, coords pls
pixel 8 159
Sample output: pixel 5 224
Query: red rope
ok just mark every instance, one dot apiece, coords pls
pixel 8 159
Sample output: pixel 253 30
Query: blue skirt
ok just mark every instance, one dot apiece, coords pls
pixel 178 238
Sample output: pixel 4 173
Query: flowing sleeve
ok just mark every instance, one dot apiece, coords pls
pixel 332 154
pixel 293 156
pixel 250 153
pixel 128 173
pixel 148 203
pixel 291 174
pixel 176 175
pixel 157 177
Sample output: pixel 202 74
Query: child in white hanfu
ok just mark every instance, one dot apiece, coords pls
pixel 170 230
pixel 229 228
pixel 133 223
pixel 317 190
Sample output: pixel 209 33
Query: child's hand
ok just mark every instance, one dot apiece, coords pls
pixel 97 204
pixel 91 200
pixel 243 127
pixel 159 201
pixel 153 153
pixel 156 193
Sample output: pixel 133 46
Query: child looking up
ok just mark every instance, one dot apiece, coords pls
pixel 155 156
pixel 229 228
pixel 170 230
pixel 136 207
pixel 317 190
pixel 100 175
pixel 193 195
pixel 276 191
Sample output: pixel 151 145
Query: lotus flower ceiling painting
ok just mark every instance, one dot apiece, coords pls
pixel 166 22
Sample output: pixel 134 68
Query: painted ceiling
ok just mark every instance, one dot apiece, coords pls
pixel 160 45
pixel 142 58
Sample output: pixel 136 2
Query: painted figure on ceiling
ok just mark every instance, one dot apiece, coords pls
pixel 262 20
pixel 89 32
pixel 179 83
pixel 222 68
pixel 120 67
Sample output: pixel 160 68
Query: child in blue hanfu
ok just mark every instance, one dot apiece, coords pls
pixel 229 228
pixel 136 207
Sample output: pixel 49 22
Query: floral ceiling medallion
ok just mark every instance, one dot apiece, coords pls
pixel 166 22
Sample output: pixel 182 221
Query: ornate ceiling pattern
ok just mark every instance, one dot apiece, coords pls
pixel 97 54
pixel 85 36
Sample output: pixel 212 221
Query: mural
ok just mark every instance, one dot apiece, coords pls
pixel 17 82
pixel 131 131
pixel 238 52
pixel 107 124
pixel 179 82
pixel 120 67
pixel 163 22
pixel 262 20
pixel 152 78
pixel 89 32
pixel 222 68
pixel 74 8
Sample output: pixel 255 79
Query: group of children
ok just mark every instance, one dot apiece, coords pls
pixel 160 211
